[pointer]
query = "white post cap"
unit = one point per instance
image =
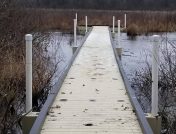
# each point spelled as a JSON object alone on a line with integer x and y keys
{"x": 28, "y": 37}
{"x": 156, "y": 38}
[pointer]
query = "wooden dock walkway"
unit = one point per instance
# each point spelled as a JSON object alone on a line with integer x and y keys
{"x": 93, "y": 98}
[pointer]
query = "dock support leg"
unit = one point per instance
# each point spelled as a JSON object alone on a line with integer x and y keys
{"x": 154, "y": 122}
{"x": 119, "y": 48}
{"x": 27, "y": 122}
{"x": 125, "y": 21}
{"x": 86, "y": 23}
{"x": 76, "y": 17}
{"x": 153, "y": 118}
{"x": 75, "y": 34}
{"x": 28, "y": 38}
{"x": 113, "y": 26}
{"x": 155, "y": 68}
{"x": 74, "y": 47}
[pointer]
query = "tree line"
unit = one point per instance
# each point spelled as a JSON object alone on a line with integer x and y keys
{"x": 103, "y": 4}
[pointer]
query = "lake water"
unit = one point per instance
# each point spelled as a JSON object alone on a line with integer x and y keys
{"x": 139, "y": 51}
{"x": 135, "y": 52}
{"x": 60, "y": 51}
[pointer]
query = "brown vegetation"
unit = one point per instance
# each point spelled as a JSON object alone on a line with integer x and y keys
{"x": 144, "y": 21}
{"x": 15, "y": 23}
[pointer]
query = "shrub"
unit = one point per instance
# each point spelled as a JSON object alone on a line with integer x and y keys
{"x": 142, "y": 83}
{"x": 132, "y": 30}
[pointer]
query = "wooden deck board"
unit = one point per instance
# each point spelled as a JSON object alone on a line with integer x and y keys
{"x": 93, "y": 97}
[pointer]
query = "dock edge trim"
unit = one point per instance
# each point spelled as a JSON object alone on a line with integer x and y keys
{"x": 146, "y": 129}
{"x": 37, "y": 126}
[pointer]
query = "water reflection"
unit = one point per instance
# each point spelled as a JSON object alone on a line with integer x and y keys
{"x": 60, "y": 51}
{"x": 138, "y": 51}
{"x": 135, "y": 52}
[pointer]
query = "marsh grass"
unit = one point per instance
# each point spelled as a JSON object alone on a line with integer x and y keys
{"x": 144, "y": 21}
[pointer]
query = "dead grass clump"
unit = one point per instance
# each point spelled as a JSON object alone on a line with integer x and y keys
{"x": 132, "y": 30}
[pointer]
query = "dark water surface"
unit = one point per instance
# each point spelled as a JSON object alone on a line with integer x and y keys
{"x": 135, "y": 51}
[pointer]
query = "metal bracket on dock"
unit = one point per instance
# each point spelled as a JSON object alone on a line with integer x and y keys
{"x": 155, "y": 122}
{"x": 28, "y": 121}
{"x": 74, "y": 49}
{"x": 119, "y": 52}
